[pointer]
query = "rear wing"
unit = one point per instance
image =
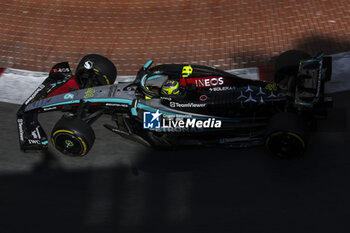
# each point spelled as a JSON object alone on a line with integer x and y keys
{"x": 31, "y": 134}
{"x": 311, "y": 78}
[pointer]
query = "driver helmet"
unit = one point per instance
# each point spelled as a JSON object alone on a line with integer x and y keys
{"x": 171, "y": 87}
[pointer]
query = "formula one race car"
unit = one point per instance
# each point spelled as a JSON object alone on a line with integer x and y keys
{"x": 178, "y": 105}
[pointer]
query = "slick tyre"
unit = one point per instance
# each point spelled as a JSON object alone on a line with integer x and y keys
{"x": 286, "y": 136}
{"x": 287, "y": 64}
{"x": 72, "y": 136}
{"x": 95, "y": 70}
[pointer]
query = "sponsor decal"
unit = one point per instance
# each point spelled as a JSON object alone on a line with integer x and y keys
{"x": 52, "y": 86}
{"x": 35, "y": 142}
{"x": 261, "y": 92}
{"x": 209, "y": 82}
{"x": 272, "y": 95}
{"x": 34, "y": 94}
{"x": 165, "y": 98}
{"x": 61, "y": 70}
{"x": 154, "y": 120}
{"x": 271, "y": 87}
{"x": 36, "y": 134}
{"x": 20, "y": 129}
{"x": 68, "y": 96}
{"x": 250, "y": 99}
{"x": 88, "y": 65}
{"x": 48, "y": 109}
{"x": 187, "y": 105}
{"x": 221, "y": 88}
{"x": 117, "y": 105}
{"x": 249, "y": 89}
{"x": 203, "y": 98}
{"x": 89, "y": 93}
{"x": 242, "y": 96}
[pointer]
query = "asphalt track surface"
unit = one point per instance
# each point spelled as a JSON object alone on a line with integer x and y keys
{"x": 121, "y": 186}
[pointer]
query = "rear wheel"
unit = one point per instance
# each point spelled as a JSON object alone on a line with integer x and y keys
{"x": 95, "y": 70}
{"x": 286, "y": 136}
{"x": 287, "y": 65}
{"x": 72, "y": 136}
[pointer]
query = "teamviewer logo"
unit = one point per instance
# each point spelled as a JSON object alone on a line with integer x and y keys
{"x": 151, "y": 120}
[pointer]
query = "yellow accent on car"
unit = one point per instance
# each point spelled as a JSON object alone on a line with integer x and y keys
{"x": 271, "y": 87}
{"x": 186, "y": 71}
{"x": 146, "y": 96}
{"x": 89, "y": 93}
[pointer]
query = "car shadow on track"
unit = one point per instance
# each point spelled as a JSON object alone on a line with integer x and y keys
{"x": 199, "y": 190}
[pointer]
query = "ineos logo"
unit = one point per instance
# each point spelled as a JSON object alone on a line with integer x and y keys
{"x": 210, "y": 82}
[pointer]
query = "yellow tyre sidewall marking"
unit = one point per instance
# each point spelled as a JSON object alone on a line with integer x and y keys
{"x": 106, "y": 79}
{"x": 281, "y": 132}
{"x": 69, "y": 132}
{"x": 298, "y": 137}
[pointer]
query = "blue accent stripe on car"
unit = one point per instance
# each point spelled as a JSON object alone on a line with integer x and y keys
{"x": 62, "y": 103}
{"x": 102, "y": 100}
{"x": 142, "y": 80}
{"x": 134, "y": 112}
{"x": 110, "y": 100}
{"x": 151, "y": 109}
{"x": 148, "y": 63}
{"x": 155, "y": 77}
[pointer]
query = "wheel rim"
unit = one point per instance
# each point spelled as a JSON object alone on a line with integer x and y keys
{"x": 285, "y": 144}
{"x": 69, "y": 144}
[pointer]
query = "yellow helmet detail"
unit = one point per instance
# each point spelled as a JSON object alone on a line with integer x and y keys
{"x": 171, "y": 87}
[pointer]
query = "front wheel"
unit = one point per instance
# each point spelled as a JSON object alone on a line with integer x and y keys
{"x": 72, "y": 136}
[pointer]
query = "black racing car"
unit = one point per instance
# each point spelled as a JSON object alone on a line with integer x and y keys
{"x": 210, "y": 108}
